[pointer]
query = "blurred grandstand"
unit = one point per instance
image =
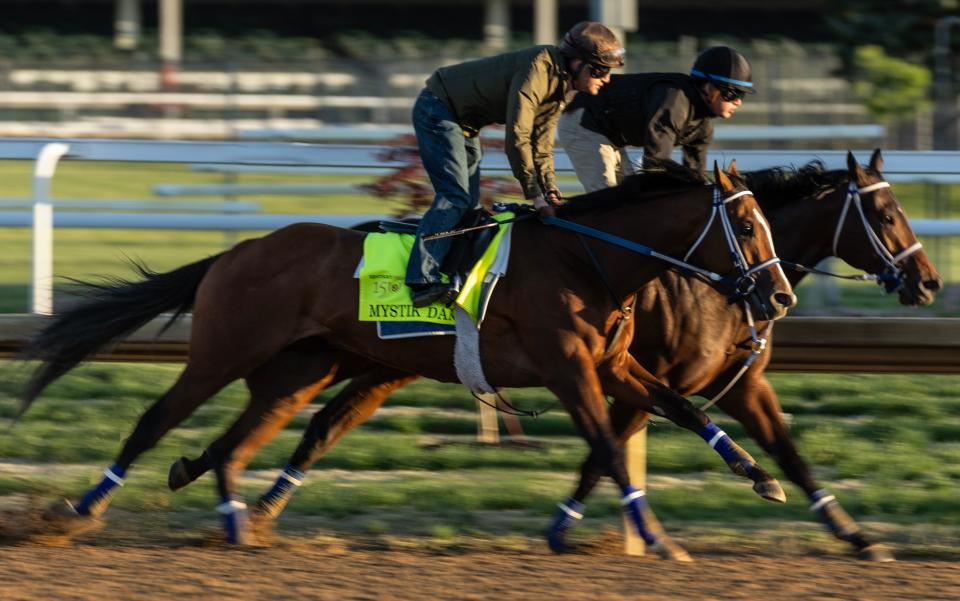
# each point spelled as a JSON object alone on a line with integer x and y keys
{"x": 92, "y": 68}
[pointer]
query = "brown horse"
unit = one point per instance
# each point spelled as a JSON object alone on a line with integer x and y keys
{"x": 271, "y": 306}
{"x": 809, "y": 222}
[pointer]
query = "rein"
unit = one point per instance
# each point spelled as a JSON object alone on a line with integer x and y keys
{"x": 742, "y": 285}
{"x": 892, "y": 277}
{"x": 758, "y": 344}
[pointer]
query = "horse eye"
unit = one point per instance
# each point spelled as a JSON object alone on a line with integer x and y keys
{"x": 746, "y": 229}
{"x": 887, "y": 219}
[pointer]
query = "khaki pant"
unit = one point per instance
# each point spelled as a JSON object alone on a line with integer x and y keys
{"x": 598, "y": 163}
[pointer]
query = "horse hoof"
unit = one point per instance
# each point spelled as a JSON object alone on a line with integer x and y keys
{"x": 178, "y": 477}
{"x": 877, "y": 553}
{"x": 770, "y": 490}
{"x": 260, "y": 524}
{"x": 557, "y": 542}
{"x": 62, "y": 519}
{"x": 667, "y": 549}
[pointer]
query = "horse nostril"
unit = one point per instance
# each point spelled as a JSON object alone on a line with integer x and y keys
{"x": 933, "y": 285}
{"x": 783, "y": 299}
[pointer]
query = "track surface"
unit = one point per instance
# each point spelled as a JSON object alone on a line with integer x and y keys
{"x": 29, "y": 571}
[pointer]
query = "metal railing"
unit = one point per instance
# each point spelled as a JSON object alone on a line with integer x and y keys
{"x": 940, "y": 167}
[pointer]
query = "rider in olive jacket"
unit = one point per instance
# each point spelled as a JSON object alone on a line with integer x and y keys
{"x": 525, "y": 90}
{"x": 522, "y": 89}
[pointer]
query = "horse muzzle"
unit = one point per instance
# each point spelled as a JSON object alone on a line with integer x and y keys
{"x": 765, "y": 307}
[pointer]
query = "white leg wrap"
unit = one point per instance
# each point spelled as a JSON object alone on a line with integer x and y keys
{"x": 716, "y": 438}
{"x": 632, "y": 496}
{"x": 574, "y": 514}
{"x": 231, "y": 507}
{"x": 109, "y": 474}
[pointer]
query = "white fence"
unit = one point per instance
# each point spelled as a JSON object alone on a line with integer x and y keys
{"x": 935, "y": 167}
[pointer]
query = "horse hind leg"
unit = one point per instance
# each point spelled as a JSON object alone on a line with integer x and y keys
{"x": 275, "y": 383}
{"x": 352, "y": 406}
{"x": 192, "y": 388}
{"x": 278, "y": 390}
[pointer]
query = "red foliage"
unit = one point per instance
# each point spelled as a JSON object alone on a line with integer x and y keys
{"x": 408, "y": 182}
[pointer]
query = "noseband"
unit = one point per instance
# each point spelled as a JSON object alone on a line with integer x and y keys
{"x": 892, "y": 277}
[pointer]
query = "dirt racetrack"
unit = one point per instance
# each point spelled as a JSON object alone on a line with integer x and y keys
{"x": 335, "y": 571}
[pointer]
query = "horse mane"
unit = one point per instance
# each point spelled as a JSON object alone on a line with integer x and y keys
{"x": 778, "y": 186}
{"x": 658, "y": 178}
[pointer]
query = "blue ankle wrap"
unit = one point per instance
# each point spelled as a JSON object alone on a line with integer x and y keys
{"x": 820, "y": 499}
{"x": 634, "y": 501}
{"x": 720, "y": 442}
{"x": 287, "y": 482}
{"x": 96, "y": 497}
{"x": 232, "y": 510}
{"x": 568, "y": 514}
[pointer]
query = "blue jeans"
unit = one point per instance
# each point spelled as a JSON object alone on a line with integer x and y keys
{"x": 452, "y": 161}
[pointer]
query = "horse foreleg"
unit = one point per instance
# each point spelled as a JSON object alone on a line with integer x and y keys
{"x": 754, "y": 404}
{"x": 685, "y": 414}
{"x": 352, "y": 406}
{"x": 626, "y": 421}
{"x": 583, "y": 398}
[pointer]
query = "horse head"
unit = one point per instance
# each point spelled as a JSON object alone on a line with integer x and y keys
{"x": 888, "y": 246}
{"x": 759, "y": 280}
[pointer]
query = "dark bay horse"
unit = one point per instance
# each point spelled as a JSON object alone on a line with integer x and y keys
{"x": 812, "y": 216}
{"x": 269, "y": 307}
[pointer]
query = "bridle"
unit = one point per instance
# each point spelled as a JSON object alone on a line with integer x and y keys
{"x": 746, "y": 282}
{"x": 892, "y": 277}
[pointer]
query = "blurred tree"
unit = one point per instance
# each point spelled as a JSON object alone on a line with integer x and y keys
{"x": 890, "y": 88}
{"x": 904, "y": 28}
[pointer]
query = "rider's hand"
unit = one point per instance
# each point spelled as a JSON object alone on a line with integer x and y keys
{"x": 545, "y": 211}
{"x": 544, "y": 207}
{"x": 554, "y": 197}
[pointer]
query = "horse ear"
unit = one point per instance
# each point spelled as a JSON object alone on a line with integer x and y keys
{"x": 721, "y": 178}
{"x": 857, "y": 173}
{"x": 876, "y": 161}
{"x": 732, "y": 168}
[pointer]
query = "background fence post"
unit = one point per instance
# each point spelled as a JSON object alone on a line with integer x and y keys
{"x": 636, "y": 457}
{"x": 41, "y": 291}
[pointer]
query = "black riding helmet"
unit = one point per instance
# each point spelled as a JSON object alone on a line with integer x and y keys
{"x": 725, "y": 68}
{"x": 594, "y": 44}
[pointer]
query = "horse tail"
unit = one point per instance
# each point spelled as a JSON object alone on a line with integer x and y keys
{"x": 110, "y": 311}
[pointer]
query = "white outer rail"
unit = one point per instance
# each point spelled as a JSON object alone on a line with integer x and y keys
{"x": 918, "y": 166}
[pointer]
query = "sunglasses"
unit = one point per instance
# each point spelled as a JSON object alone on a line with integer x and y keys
{"x": 731, "y": 94}
{"x": 598, "y": 71}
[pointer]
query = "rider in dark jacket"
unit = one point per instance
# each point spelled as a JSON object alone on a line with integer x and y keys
{"x": 653, "y": 111}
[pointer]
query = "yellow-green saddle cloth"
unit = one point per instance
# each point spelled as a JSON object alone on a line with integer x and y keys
{"x": 385, "y": 298}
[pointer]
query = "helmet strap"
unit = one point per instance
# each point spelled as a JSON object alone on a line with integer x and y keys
{"x": 575, "y": 72}
{"x": 701, "y": 87}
